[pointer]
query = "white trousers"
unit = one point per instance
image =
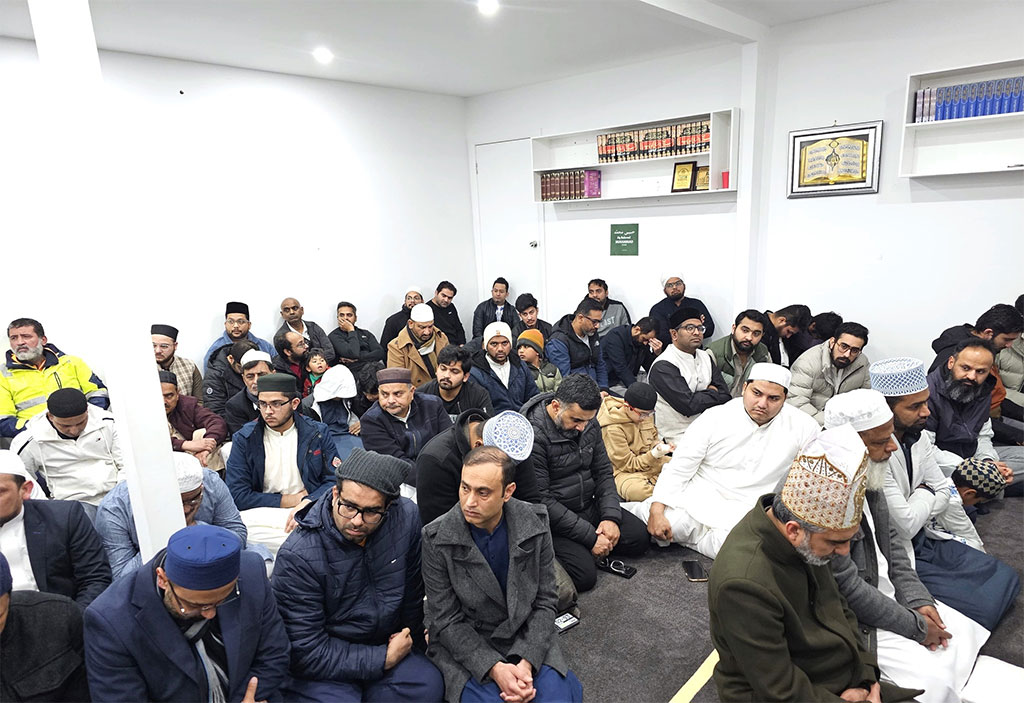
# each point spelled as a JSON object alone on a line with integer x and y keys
{"x": 266, "y": 526}
{"x": 942, "y": 673}
{"x": 685, "y": 529}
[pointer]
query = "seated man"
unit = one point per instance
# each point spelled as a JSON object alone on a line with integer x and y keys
{"x": 198, "y": 622}
{"x": 906, "y": 625}
{"x": 675, "y": 299}
{"x": 736, "y": 354}
{"x": 627, "y": 348}
{"x": 292, "y": 358}
{"x": 504, "y": 376}
{"x": 728, "y": 457}
{"x": 575, "y": 481}
{"x": 348, "y": 585}
{"x": 278, "y": 462}
{"x": 72, "y": 449}
{"x": 224, "y": 375}
{"x": 488, "y": 573}
{"x": 416, "y": 347}
{"x": 243, "y": 406}
{"x": 51, "y": 545}
{"x": 236, "y": 328}
{"x": 446, "y": 316}
{"x": 1000, "y": 326}
{"x": 453, "y": 385}
{"x": 33, "y": 369}
{"x": 833, "y": 367}
{"x": 439, "y": 464}
{"x": 494, "y": 309}
{"x": 526, "y": 307}
{"x": 292, "y": 312}
{"x": 574, "y": 346}
{"x": 354, "y": 346}
{"x": 631, "y": 440}
{"x": 785, "y": 324}
{"x": 400, "y": 320}
{"x": 41, "y": 639}
{"x": 530, "y": 348}
{"x": 978, "y": 481}
{"x": 165, "y": 347}
{"x": 194, "y": 429}
{"x": 402, "y": 421}
{"x": 782, "y": 629}
{"x": 614, "y": 312}
{"x": 205, "y": 499}
{"x": 685, "y": 376}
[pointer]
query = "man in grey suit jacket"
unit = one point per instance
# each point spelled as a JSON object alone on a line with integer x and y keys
{"x": 489, "y": 579}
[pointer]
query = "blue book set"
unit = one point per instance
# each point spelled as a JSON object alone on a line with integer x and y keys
{"x": 954, "y": 102}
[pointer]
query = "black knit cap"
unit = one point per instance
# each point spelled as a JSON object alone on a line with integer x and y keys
{"x": 641, "y": 396}
{"x": 67, "y": 402}
{"x": 168, "y": 377}
{"x": 165, "y": 330}
{"x": 276, "y": 382}
{"x": 378, "y": 471}
{"x": 236, "y": 309}
{"x": 682, "y": 315}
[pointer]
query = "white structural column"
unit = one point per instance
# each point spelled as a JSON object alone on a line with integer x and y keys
{"x": 713, "y": 19}
{"x": 73, "y": 85}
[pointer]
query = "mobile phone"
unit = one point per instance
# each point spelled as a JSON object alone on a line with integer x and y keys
{"x": 566, "y": 621}
{"x": 695, "y": 571}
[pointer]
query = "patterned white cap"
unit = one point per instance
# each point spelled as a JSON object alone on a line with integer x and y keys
{"x": 189, "y": 472}
{"x": 825, "y": 485}
{"x": 511, "y": 433}
{"x": 421, "y": 312}
{"x": 863, "y": 408}
{"x": 899, "y": 376}
{"x": 497, "y": 329}
{"x": 773, "y": 373}
{"x": 255, "y": 355}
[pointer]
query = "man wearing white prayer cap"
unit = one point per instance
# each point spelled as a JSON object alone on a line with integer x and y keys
{"x": 499, "y": 371}
{"x": 919, "y": 641}
{"x": 730, "y": 455}
{"x": 416, "y": 347}
{"x": 397, "y": 322}
{"x": 781, "y": 628}
{"x": 675, "y": 299}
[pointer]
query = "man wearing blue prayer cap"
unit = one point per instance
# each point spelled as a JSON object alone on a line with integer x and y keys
{"x": 198, "y": 622}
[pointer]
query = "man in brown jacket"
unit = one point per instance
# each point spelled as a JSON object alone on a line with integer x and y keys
{"x": 193, "y": 428}
{"x": 631, "y": 439}
{"x": 416, "y": 347}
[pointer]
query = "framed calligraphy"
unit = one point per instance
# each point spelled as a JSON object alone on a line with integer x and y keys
{"x": 836, "y": 160}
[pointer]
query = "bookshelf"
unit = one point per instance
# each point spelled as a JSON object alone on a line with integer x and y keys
{"x": 644, "y": 181}
{"x": 985, "y": 144}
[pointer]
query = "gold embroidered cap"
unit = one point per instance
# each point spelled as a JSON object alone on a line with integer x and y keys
{"x": 825, "y": 485}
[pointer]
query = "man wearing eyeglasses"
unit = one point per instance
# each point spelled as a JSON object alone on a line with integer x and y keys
{"x": 292, "y": 353}
{"x": 574, "y": 346}
{"x": 236, "y": 327}
{"x": 278, "y": 462}
{"x": 675, "y": 299}
{"x": 348, "y": 585}
{"x": 198, "y": 622}
{"x": 685, "y": 376}
{"x": 835, "y": 366}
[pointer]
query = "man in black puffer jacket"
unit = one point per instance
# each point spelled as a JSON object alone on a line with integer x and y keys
{"x": 575, "y": 481}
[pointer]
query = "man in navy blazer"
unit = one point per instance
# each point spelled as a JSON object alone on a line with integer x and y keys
{"x": 51, "y": 544}
{"x": 198, "y": 622}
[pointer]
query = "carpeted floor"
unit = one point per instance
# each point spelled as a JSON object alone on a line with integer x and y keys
{"x": 641, "y": 639}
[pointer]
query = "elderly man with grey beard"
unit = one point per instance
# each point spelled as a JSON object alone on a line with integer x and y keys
{"x": 919, "y": 641}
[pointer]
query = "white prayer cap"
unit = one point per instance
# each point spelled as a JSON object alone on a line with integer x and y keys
{"x": 666, "y": 276}
{"x": 826, "y": 483}
{"x": 497, "y": 329}
{"x": 511, "y": 433}
{"x": 11, "y": 464}
{"x": 863, "y": 408}
{"x": 256, "y": 355}
{"x": 413, "y": 289}
{"x": 189, "y": 472}
{"x": 899, "y": 376}
{"x": 421, "y": 312}
{"x": 774, "y": 373}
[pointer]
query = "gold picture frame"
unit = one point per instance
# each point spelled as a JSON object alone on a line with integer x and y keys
{"x": 684, "y": 176}
{"x": 703, "y": 178}
{"x": 836, "y": 160}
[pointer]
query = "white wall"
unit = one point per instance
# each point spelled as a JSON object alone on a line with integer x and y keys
{"x": 250, "y": 186}
{"x": 923, "y": 254}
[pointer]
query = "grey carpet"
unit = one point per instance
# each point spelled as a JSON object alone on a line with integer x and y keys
{"x": 641, "y": 639}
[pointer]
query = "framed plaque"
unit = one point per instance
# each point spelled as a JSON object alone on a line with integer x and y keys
{"x": 684, "y": 176}
{"x": 703, "y": 178}
{"x": 836, "y": 160}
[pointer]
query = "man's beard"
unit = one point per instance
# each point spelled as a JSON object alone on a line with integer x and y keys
{"x": 809, "y": 557}
{"x": 841, "y": 363}
{"x": 744, "y": 347}
{"x": 911, "y": 429}
{"x": 963, "y": 391}
{"x": 877, "y": 472}
{"x": 678, "y": 295}
{"x": 30, "y": 355}
{"x": 568, "y": 434}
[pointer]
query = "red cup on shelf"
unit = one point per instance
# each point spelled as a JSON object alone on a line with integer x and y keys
{"x": 725, "y": 180}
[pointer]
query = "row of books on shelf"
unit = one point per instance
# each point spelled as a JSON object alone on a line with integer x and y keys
{"x": 575, "y": 184}
{"x": 654, "y": 142}
{"x": 953, "y": 102}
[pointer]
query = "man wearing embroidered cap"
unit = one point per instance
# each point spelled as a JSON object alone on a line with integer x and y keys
{"x": 236, "y": 328}
{"x": 397, "y": 322}
{"x": 500, "y": 371}
{"x": 197, "y": 622}
{"x": 416, "y": 346}
{"x": 165, "y": 347}
{"x": 782, "y": 630}
{"x": 349, "y": 589}
{"x": 729, "y": 456}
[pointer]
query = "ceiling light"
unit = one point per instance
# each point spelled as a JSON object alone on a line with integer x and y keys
{"x": 323, "y": 54}
{"x": 487, "y": 7}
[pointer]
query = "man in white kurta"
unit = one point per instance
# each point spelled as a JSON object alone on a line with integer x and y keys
{"x": 730, "y": 455}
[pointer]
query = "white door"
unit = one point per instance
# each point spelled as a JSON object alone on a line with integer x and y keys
{"x": 510, "y": 232}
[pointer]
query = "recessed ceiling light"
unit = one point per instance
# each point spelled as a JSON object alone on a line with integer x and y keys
{"x": 323, "y": 54}
{"x": 487, "y": 7}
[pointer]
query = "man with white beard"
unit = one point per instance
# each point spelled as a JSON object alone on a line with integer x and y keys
{"x": 919, "y": 642}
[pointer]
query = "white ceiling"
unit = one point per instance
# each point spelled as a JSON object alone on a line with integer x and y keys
{"x": 437, "y": 46}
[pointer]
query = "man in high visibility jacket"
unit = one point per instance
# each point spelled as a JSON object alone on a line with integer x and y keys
{"x": 32, "y": 370}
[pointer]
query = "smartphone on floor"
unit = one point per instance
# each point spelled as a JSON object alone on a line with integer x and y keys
{"x": 694, "y": 570}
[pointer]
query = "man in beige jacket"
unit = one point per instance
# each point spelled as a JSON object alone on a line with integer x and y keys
{"x": 631, "y": 439}
{"x": 416, "y": 347}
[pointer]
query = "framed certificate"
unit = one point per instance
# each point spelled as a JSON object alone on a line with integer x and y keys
{"x": 684, "y": 176}
{"x": 837, "y": 160}
{"x": 703, "y": 178}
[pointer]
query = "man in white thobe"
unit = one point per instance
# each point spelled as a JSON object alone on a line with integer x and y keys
{"x": 730, "y": 455}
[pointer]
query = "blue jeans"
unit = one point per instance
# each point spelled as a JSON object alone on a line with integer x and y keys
{"x": 551, "y": 687}
{"x": 414, "y": 679}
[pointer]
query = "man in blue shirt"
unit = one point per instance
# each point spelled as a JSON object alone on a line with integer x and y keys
{"x": 236, "y": 327}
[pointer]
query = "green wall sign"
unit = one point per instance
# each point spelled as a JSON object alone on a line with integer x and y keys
{"x": 626, "y": 240}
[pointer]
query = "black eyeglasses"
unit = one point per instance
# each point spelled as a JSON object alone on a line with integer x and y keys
{"x": 185, "y": 606}
{"x": 371, "y": 516}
